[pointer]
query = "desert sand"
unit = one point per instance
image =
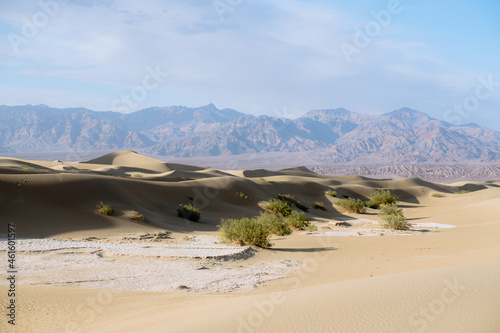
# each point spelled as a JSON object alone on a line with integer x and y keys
{"x": 79, "y": 271}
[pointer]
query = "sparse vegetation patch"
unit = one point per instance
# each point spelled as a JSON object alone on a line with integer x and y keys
{"x": 298, "y": 220}
{"x": 189, "y": 211}
{"x": 276, "y": 225}
{"x": 242, "y": 195}
{"x": 319, "y": 205}
{"x": 383, "y": 197}
{"x": 437, "y": 195}
{"x": 352, "y": 205}
{"x": 280, "y": 208}
{"x": 463, "y": 192}
{"x": 291, "y": 199}
{"x": 391, "y": 216}
{"x": 105, "y": 209}
{"x": 245, "y": 231}
{"x": 331, "y": 193}
{"x": 372, "y": 204}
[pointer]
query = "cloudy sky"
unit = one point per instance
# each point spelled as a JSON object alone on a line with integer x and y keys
{"x": 275, "y": 57}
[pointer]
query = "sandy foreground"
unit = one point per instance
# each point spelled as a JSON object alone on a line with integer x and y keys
{"x": 79, "y": 271}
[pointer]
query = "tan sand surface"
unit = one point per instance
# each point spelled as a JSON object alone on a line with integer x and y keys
{"x": 441, "y": 280}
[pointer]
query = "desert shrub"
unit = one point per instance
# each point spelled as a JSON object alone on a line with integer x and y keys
{"x": 383, "y": 197}
{"x": 331, "y": 193}
{"x": 437, "y": 195}
{"x": 291, "y": 199}
{"x": 105, "y": 209}
{"x": 298, "y": 220}
{"x": 281, "y": 208}
{"x": 189, "y": 211}
{"x": 372, "y": 204}
{"x": 262, "y": 179}
{"x": 242, "y": 195}
{"x": 312, "y": 227}
{"x": 274, "y": 224}
{"x": 319, "y": 205}
{"x": 463, "y": 192}
{"x": 391, "y": 216}
{"x": 136, "y": 216}
{"x": 137, "y": 175}
{"x": 352, "y": 205}
{"x": 25, "y": 166}
{"x": 245, "y": 231}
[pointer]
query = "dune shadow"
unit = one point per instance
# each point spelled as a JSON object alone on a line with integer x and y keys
{"x": 418, "y": 218}
{"x": 305, "y": 250}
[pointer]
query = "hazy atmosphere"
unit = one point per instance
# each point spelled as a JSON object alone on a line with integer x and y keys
{"x": 280, "y": 58}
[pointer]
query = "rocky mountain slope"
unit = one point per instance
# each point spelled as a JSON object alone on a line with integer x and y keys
{"x": 335, "y": 136}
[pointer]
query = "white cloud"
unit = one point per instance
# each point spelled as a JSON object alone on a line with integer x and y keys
{"x": 264, "y": 55}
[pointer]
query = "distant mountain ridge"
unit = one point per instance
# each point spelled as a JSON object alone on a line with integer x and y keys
{"x": 333, "y": 136}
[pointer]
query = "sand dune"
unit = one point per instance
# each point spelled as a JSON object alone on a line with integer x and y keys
{"x": 335, "y": 281}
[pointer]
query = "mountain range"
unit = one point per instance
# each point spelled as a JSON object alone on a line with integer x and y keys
{"x": 332, "y": 136}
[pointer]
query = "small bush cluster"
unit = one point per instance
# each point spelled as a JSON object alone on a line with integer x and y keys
{"x": 25, "y": 166}
{"x": 189, "y": 211}
{"x": 352, "y": 205}
{"x": 319, "y": 205}
{"x": 105, "y": 209}
{"x": 331, "y": 193}
{"x": 281, "y": 208}
{"x": 298, "y": 221}
{"x": 245, "y": 231}
{"x": 256, "y": 231}
{"x": 463, "y": 192}
{"x": 137, "y": 175}
{"x": 275, "y": 224}
{"x": 291, "y": 199}
{"x": 383, "y": 197}
{"x": 437, "y": 195}
{"x": 372, "y": 204}
{"x": 242, "y": 195}
{"x": 391, "y": 216}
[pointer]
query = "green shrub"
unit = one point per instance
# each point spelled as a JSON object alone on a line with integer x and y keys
{"x": 312, "y": 227}
{"x": 281, "y": 208}
{"x": 391, "y": 216}
{"x": 189, "y": 211}
{"x": 319, "y": 205}
{"x": 275, "y": 225}
{"x": 383, "y": 197}
{"x": 298, "y": 221}
{"x": 242, "y": 195}
{"x": 437, "y": 195}
{"x": 372, "y": 204}
{"x": 352, "y": 205}
{"x": 291, "y": 199}
{"x": 137, "y": 175}
{"x": 25, "y": 166}
{"x": 331, "y": 193}
{"x": 246, "y": 231}
{"x": 463, "y": 192}
{"x": 105, "y": 209}
{"x": 262, "y": 179}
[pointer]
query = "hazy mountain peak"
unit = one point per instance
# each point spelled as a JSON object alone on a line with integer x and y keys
{"x": 336, "y": 135}
{"x": 407, "y": 113}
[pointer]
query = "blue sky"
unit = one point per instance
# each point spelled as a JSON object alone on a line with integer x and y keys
{"x": 281, "y": 58}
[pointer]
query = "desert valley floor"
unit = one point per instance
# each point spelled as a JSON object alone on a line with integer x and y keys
{"x": 80, "y": 271}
